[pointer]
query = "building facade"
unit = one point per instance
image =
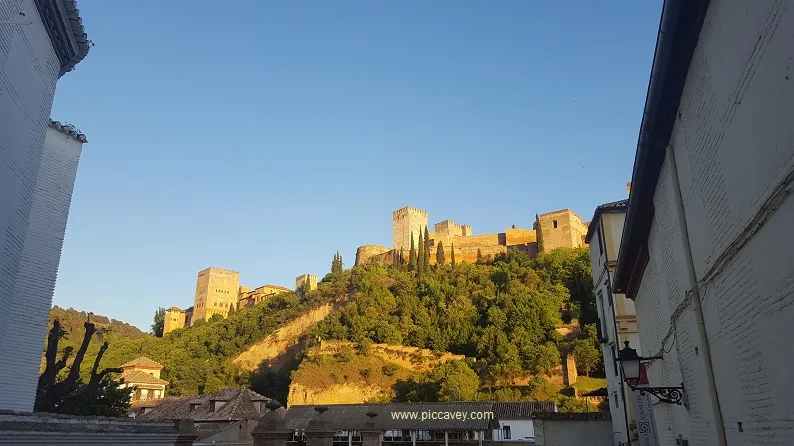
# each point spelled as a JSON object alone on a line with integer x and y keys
{"x": 707, "y": 253}
{"x": 216, "y": 292}
{"x": 617, "y": 319}
{"x": 40, "y": 40}
{"x": 143, "y": 376}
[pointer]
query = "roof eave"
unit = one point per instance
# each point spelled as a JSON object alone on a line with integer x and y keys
{"x": 65, "y": 29}
{"x": 679, "y": 31}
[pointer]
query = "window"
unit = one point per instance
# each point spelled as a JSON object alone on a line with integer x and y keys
{"x": 506, "y": 432}
{"x": 617, "y": 401}
{"x": 555, "y": 223}
{"x": 600, "y": 241}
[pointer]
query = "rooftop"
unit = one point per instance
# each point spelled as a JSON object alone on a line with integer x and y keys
{"x": 69, "y": 129}
{"x": 240, "y": 405}
{"x": 615, "y": 206}
{"x": 143, "y": 361}
{"x": 141, "y": 377}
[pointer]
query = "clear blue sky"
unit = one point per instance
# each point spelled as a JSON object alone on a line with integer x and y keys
{"x": 263, "y": 136}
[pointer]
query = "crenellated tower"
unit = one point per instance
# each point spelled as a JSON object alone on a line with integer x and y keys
{"x": 406, "y": 221}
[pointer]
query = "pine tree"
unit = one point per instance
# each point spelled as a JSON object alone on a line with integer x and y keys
{"x": 452, "y": 256}
{"x": 412, "y": 255}
{"x": 440, "y": 260}
{"x": 420, "y": 256}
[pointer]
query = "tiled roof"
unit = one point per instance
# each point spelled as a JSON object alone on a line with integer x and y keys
{"x": 522, "y": 410}
{"x": 73, "y": 14}
{"x": 615, "y": 206}
{"x": 143, "y": 361}
{"x": 239, "y": 405}
{"x": 205, "y": 430}
{"x": 354, "y": 416}
{"x": 573, "y": 416}
{"x": 141, "y": 377}
{"x": 68, "y": 129}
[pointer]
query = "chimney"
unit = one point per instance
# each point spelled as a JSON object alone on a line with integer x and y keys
{"x": 628, "y": 188}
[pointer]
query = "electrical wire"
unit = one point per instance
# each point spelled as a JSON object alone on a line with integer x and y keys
{"x": 770, "y": 205}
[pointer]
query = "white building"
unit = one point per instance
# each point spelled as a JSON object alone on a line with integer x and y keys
{"x": 516, "y": 420}
{"x": 707, "y": 252}
{"x": 617, "y": 320}
{"x": 40, "y": 40}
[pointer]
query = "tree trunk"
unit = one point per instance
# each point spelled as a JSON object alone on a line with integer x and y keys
{"x": 74, "y": 372}
{"x": 96, "y": 378}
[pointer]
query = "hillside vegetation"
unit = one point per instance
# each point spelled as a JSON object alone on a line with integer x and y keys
{"x": 501, "y": 315}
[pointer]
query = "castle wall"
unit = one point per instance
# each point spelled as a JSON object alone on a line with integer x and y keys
{"x": 302, "y": 279}
{"x": 520, "y": 236}
{"x": 216, "y": 291}
{"x": 561, "y": 229}
{"x": 174, "y": 319}
{"x": 475, "y": 241}
{"x": 407, "y": 221}
{"x": 366, "y": 253}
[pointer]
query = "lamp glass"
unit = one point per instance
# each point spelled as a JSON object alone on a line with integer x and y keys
{"x": 631, "y": 368}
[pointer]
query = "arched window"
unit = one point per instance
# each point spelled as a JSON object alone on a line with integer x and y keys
{"x": 555, "y": 223}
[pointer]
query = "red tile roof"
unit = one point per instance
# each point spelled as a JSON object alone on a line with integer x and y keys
{"x": 143, "y": 361}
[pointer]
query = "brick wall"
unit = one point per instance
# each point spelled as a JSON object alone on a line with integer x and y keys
{"x": 28, "y": 74}
{"x": 732, "y": 147}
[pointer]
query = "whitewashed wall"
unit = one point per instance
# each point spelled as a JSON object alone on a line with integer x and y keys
{"x": 520, "y": 430}
{"x": 29, "y": 70}
{"x": 733, "y": 144}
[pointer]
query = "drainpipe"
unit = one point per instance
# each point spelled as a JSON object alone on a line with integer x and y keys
{"x": 701, "y": 323}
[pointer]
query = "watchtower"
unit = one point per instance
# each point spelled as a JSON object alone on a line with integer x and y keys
{"x": 406, "y": 222}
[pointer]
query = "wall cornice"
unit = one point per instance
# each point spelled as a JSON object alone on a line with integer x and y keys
{"x": 64, "y": 26}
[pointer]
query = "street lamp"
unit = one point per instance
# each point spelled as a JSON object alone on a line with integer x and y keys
{"x": 630, "y": 366}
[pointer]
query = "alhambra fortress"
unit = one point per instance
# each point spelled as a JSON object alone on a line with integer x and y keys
{"x": 218, "y": 290}
{"x": 558, "y": 229}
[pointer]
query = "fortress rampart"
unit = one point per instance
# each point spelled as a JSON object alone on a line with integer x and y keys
{"x": 557, "y": 229}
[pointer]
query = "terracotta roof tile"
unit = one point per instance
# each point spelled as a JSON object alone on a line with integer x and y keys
{"x": 522, "y": 410}
{"x": 141, "y": 377}
{"x": 237, "y": 404}
{"x": 143, "y": 361}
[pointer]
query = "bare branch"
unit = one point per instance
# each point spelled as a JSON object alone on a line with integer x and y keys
{"x": 74, "y": 372}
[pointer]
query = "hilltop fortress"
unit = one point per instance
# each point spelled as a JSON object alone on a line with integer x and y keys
{"x": 218, "y": 291}
{"x": 552, "y": 230}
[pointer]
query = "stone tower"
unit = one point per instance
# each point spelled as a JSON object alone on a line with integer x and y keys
{"x": 216, "y": 292}
{"x": 407, "y": 221}
{"x": 560, "y": 229}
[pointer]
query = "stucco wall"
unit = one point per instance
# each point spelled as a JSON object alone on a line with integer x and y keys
{"x": 567, "y": 433}
{"x": 29, "y": 71}
{"x": 732, "y": 146}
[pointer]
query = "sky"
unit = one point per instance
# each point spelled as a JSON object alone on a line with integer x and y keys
{"x": 263, "y": 136}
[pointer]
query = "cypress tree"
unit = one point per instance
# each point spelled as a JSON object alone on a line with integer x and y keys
{"x": 452, "y": 256}
{"x": 412, "y": 255}
{"x": 479, "y": 256}
{"x": 428, "y": 245}
{"x": 440, "y": 260}
{"x": 420, "y": 256}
